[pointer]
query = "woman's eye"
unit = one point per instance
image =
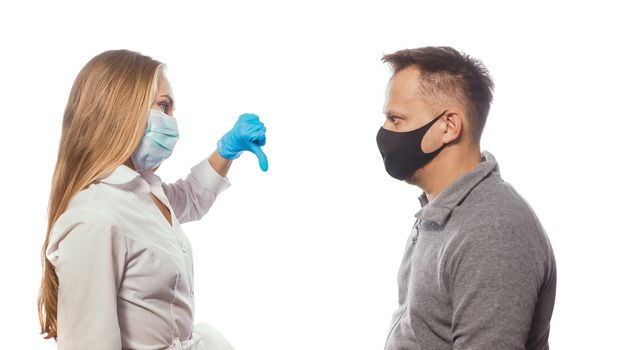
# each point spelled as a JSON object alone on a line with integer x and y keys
{"x": 163, "y": 106}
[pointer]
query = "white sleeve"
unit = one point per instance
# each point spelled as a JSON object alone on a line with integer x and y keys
{"x": 88, "y": 251}
{"x": 193, "y": 197}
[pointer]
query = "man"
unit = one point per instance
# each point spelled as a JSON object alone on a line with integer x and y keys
{"x": 478, "y": 271}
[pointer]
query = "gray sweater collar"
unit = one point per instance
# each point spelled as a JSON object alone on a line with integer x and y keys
{"x": 440, "y": 208}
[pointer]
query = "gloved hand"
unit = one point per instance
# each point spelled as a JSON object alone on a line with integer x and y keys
{"x": 248, "y": 134}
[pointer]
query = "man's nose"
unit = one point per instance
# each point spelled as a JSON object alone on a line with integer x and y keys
{"x": 388, "y": 125}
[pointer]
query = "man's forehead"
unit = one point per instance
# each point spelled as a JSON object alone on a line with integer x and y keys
{"x": 404, "y": 84}
{"x": 408, "y": 76}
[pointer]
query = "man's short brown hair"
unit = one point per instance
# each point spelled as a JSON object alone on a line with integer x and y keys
{"x": 449, "y": 74}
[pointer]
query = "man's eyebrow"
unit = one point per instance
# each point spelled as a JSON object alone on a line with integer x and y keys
{"x": 389, "y": 112}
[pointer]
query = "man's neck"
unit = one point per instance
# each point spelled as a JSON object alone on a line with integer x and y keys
{"x": 446, "y": 169}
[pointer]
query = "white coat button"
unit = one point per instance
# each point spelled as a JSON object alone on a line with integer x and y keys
{"x": 184, "y": 248}
{"x": 192, "y": 293}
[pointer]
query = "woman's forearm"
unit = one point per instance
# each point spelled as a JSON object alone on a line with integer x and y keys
{"x": 220, "y": 164}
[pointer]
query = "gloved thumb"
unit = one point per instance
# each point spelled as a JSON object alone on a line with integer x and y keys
{"x": 261, "y": 156}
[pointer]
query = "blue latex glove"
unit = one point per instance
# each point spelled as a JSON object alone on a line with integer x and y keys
{"x": 248, "y": 134}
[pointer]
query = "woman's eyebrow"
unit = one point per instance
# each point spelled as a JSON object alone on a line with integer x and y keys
{"x": 170, "y": 100}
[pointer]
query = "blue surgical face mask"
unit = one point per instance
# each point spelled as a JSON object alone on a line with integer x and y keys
{"x": 158, "y": 141}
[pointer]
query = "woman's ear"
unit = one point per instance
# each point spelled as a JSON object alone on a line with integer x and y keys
{"x": 129, "y": 163}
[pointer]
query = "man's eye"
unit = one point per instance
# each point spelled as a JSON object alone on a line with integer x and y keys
{"x": 394, "y": 119}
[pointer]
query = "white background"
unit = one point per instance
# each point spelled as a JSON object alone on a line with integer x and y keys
{"x": 305, "y": 256}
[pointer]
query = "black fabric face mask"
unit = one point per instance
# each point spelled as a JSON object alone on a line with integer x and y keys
{"x": 401, "y": 151}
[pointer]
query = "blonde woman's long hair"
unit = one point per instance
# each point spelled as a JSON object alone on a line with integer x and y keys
{"x": 103, "y": 123}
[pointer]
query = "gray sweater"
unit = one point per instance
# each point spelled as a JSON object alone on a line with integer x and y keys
{"x": 478, "y": 271}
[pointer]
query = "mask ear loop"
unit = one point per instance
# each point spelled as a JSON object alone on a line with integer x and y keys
{"x": 440, "y": 115}
{"x": 429, "y": 126}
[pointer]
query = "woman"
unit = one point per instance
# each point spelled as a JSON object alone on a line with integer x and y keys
{"x": 117, "y": 266}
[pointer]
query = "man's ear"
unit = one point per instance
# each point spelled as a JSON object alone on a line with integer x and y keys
{"x": 453, "y": 125}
